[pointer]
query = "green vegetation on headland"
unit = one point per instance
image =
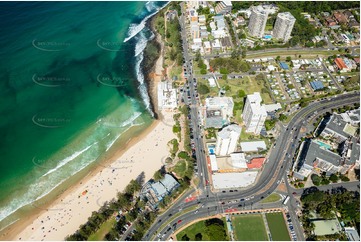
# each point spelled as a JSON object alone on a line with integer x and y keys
{"x": 212, "y": 230}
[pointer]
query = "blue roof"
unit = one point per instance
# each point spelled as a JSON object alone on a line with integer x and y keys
{"x": 317, "y": 85}
{"x": 284, "y": 65}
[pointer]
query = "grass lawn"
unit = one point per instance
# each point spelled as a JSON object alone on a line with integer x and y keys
{"x": 277, "y": 226}
{"x": 180, "y": 168}
{"x": 249, "y": 227}
{"x": 176, "y": 71}
{"x": 102, "y": 231}
{"x": 274, "y": 197}
{"x": 196, "y": 228}
{"x": 248, "y": 84}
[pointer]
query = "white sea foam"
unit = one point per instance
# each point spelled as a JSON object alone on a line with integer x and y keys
{"x": 142, "y": 85}
{"x": 134, "y": 29}
{"x": 129, "y": 121}
{"x": 68, "y": 159}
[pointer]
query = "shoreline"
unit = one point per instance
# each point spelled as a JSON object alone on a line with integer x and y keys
{"x": 27, "y": 228}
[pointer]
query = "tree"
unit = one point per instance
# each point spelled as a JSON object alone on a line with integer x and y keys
{"x": 344, "y": 178}
{"x": 185, "y": 238}
{"x": 316, "y": 180}
{"x": 198, "y": 237}
{"x": 333, "y": 178}
{"x": 282, "y": 117}
{"x": 241, "y": 93}
{"x": 203, "y": 89}
{"x": 288, "y": 58}
{"x": 157, "y": 175}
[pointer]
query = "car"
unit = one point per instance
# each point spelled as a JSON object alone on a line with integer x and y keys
{"x": 230, "y": 190}
{"x": 242, "y": 199}
{"x": 179, "y": 221}
{"x": 159, "y": 220}
{"x": 168, "y": 229}
{"x": 239, "y": 205}
{"x": 223, "y": 191}
{"x": 222, "y": 203}
{"x": 170, "y": 215}
{"x": 196, "y": 211}
{"x": 294, "y": 193}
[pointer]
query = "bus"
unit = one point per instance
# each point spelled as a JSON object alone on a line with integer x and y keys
{"x": 286, "y": 200}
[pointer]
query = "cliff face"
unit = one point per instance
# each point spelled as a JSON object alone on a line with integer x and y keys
{"x": 151, "y": 54}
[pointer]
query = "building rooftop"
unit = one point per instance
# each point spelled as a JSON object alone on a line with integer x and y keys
{"x": 233, "y": 180}
{"x": 355, "y": 151}
{"x": 284, "y": 65}
{"x": 256, "y": 163}
{"x": 213, "y": 161}
{"x": 352, "y": 234}
{"x": 238, "y": 160}
{"x": 219, "y": 102}
{"x": 272, "y": 107}
{"x": 337, "y": 125}
{"x": 253, "y": 146}
{"x": 169, "y": 182}
{"x": 317, "y": 85}
{"x": 255, "y": 100}
{"x": 227, "y": 3}
{"x": 226, "y": 132}
{"x": 286, "y": 15}
{"x": 340, "y": 63}
{"x": 315, "y": 151}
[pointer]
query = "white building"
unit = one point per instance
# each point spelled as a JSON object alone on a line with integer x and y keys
{"x": 257, "y": 22}
{"x": 224, "y": 7}
{"x": 283, "y": 26}
{"x": 207, "y": 47}
{"x": 167, "y": 96}
{"x": 216, "y": 45}
{"x": 218, "y": 34}
{"x": 225, "y": 104}
{"x": 253, "y": 146}
{"x": 227, "y": 140}
{"x": 201, "y": 19}
{"x": 254, "y": 115}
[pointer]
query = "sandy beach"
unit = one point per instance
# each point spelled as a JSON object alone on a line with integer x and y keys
{"x": 68, "y": 212}
{"x": 71, "y": 209}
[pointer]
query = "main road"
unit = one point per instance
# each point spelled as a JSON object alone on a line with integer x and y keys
{"x": 279, "y": 161}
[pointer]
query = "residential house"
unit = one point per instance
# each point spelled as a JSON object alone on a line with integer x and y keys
{"x": 340, "y": 17}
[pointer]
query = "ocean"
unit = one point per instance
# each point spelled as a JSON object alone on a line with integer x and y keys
{"x": 71, "y": 86}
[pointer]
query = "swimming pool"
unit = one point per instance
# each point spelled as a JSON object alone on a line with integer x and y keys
{"x": 267, "y": 37}
{"x": 211, "y": 149}
{"x": 327, "y": 146}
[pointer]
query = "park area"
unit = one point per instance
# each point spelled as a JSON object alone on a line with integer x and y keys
{"x": 277, "y": 227}
{"x": 205, "y": 230}
{"x": 249, "y": 227}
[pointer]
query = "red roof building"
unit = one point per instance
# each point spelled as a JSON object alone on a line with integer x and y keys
{"x": 340, "y": 64}
{"x": 256, "y": 163}
{"x": 340, "y": 17}
{"x": 357, "y": 60}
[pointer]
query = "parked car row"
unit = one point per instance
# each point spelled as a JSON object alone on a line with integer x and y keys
{"x": 291, "y": 228}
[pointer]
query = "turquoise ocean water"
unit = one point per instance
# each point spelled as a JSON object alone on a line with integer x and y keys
{"x": 70, "y": 84}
